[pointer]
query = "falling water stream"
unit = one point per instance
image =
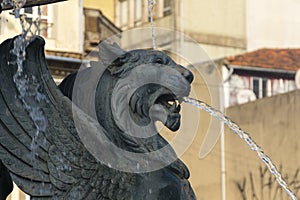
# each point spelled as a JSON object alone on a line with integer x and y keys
{"x": 246, "y": 137}
{"x": 28, "y": 87}
{"x": 22, "y": 83}
{"x": 150, "y": 9}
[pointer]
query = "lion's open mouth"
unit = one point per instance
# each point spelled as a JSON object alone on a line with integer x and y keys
{"x": 150, "y": 93}
{"x": 171, "y": 105}
{"x": 170, "y": 102}
{"x": 154, "y": 102}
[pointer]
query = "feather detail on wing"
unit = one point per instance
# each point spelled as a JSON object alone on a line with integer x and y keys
{"x": 61, "y": 166}
{"x": 52, "y": 162}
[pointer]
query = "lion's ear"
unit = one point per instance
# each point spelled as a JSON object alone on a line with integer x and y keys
{"x": 109, "y": 52}
{"x": 118, "y": 66}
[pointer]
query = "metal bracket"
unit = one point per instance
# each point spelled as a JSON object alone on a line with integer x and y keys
{"x": 31, "y": 3}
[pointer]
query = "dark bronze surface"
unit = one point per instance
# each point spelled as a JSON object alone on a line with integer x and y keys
{"x": 63, "y": 168}
{"x": 30, "y": 3}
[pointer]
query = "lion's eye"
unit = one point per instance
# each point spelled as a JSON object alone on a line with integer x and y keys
{"x": 168, "y": 61}
{"x": 159, "y": 61}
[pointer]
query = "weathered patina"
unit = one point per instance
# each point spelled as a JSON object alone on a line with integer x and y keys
{"x": 63, "y": 168}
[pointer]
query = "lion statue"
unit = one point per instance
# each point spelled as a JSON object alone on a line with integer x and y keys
{"x": 58, "y": 161}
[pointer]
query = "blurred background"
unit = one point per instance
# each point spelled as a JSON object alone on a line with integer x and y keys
{"x": 253, "y": 44}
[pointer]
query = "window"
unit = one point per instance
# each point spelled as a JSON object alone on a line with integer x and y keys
{"x": 261, "y": 87}
{"x": 265, "y": 90}
{"x": 167, "y": 7}
{"x": 123, "y": 13}
{"x": 256, "y": 88}
{"x": 138, "y": 6}
{"x": 32, "y": 14}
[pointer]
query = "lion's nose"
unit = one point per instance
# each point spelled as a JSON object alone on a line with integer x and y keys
{"x": 186, "y": 73}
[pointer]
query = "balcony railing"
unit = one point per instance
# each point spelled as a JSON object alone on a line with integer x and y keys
{"x": 97, "y": 27}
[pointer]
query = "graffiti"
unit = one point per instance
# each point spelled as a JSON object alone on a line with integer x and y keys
{"x": 262, "y": 185}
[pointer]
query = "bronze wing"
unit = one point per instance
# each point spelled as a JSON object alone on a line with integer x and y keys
{"x": 51, "y": 163}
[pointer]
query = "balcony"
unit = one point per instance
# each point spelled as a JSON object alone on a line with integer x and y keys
{"x": 97, "y": 28}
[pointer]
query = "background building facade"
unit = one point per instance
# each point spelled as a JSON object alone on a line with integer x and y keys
{"x": 222, "y": 28}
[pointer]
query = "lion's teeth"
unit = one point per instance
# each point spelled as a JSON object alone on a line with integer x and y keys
{"x": 173, "y": 108}
{"x": 178, "y": 108}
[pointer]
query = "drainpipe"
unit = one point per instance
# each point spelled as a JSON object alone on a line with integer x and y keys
{"x": 223, "y": 169}
{"x": 81, "y": 29}
{"x": 181, "y": 30}
{"x": 226, "y": 74}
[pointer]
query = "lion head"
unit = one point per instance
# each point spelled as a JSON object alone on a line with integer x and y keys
{"x": 136, "y": 89}
{"x": 145, "y": 86}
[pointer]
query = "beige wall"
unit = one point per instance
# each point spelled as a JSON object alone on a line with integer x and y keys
{"x": 67, "y": 27}
{"x": 9, "y": 26}
{"x": 220, "y": 26}
{"x": 217, "y": 52}
{"x": 273, "y": 23}
{"x": 106, "y": 6}
{"x": 274, "y": 124}
{"x": 224, "y": 18}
